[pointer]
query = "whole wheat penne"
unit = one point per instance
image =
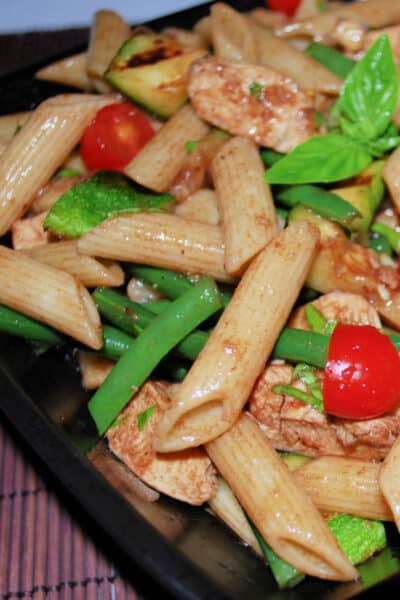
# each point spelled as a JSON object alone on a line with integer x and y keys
{"x": 3, "y": 146}
{"x": 225, "y": 505}
{"x": 48, "y": 195}
{"x": 10, "y": 124}
{"x": 109, "y": 31}
{"x": 231, "y": 34}
{"x": 67, "y": 71}
{"x": 49, "y": 295}
{"x": 267, "y": 18}
{"x": 284, "y": 515}
{"x": 389, "y": 480}
{"x": 94, "y": 369}
{"x": 201, "y": 206}
{"x": 281, "y": 56}
{"x": 160, "y": 160}
{"x": 40, "y": 147}
{"x": 203, "y": 28}
{"x": 308, "y": 9}
{"x": 391, "y": 176}
{"x": 344, "y": 485}
{"x": 186, "y": 37}
{"x": 245, "y": 202}
{"x": 89, "y": 271}
{"x": 218, "y": 384}
{"x": 373, "y": 13}
{"x": 160, "y": 240}
{"x": 343, "y": 265}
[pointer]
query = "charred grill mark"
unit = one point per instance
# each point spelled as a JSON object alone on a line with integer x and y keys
{"x": 153, "y": 55}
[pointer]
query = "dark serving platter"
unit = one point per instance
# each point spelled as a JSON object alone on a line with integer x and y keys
{"x": 173, "y": 549}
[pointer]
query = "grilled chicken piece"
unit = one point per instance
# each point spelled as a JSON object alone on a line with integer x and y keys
{"x": 187, "y": 475}
{"x": 342, "y": 307}
{"x": 29, "y": 232}
{"x": 292, "y": 425}
{"x": 252, "y": 101}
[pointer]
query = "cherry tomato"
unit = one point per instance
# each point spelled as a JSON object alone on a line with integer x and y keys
{"x": 288, "y": 7}
{"x": 362, "y": 373}
{"x": 115, "y": 136}
{"x": 398, "y": 265}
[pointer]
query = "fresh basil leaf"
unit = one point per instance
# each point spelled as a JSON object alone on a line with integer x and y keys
{"x": 322, "y": 158}
{"x": 369, "y": 94}
{"x": 104, "y": 195}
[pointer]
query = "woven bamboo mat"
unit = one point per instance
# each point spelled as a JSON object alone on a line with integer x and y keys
{"x": 44, "y": 554}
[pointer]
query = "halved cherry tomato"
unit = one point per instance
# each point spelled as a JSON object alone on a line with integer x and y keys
{"x": 362, "y": 373}
{"x": 288, "y": 7}
{"x": 115, "y": 136}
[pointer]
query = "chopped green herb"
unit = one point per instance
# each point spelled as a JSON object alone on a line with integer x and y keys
{"x": 317, "y": 321}
{"x": 144, "y": 416}
{"x": 319, "y": 118}
{"x": 255, "y": 89}
{"x": 322, "y": 5}
{"x": 190, "y": 146}
{"x": 63, "y": 173}
{"x": 118, "y": 421}
{"x": 310, "y": 399}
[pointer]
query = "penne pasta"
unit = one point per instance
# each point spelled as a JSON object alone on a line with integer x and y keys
{"x": 11, "y": 124}
{"x": 231, "y": 35}
{"x": 160, "y": 240}
{"x": 281, "y": 56}
{"x": 373, "y": 13}
{"x": 68, "y": 71}
{"x": 186, "y": 37}
{"x": 49, "y": 295}
{"x": 201, "y": 207}
{"x": 217, "y": 386}
{"x": 389, "y": 480}
{"x": 344, "y": 485}
{"x": 89, "y": 271}
{"x": 284, "y": 515}
{"x": 159, "y": 162}
{"x": 48, "y": 195}
{"x": 391, "y": 176}
{"x": 109, "y": 31}
{"x": 39, "y": 149}
{"x": 94, "y": 369}
{"x": 245, "y": 203}
{"x": 226, "y": 507}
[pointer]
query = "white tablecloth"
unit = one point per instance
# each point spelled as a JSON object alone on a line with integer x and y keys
{"x": 30, "y": 15}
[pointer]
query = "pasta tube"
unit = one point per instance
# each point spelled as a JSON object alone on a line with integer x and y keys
{"x": 40, "y": 147}
{"x": 68, "y": 71}
{"x": 159, "y": 161}
{"x": 217, "y": 386}
{"x": 245, "y": 201}
{"x": 89, "y": 271}
{"x": 389, "y": 480}
{"x": 108, "y": 33}
{"x": 49, "y": 295}
{"x": 160, "y": 240}
{"x": 94, "y": 369}
{"x": 391, "y": 176}
{"x": 10, "y": 124}
{"x": 201, "y": 206}
{"x": 231, "y": 35}
{"x": 283, "y": 514}
{"x": 344, "y": 485}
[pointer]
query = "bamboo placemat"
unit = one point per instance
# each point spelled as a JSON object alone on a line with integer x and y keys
{"x": 44, "y": 554}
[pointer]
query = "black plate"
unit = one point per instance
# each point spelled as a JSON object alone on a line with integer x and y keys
{"x": 183, "y": 549}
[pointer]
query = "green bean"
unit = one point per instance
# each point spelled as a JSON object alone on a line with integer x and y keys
{"x": 327, "y": 204}
{"x": 133, "y": 318}
{"x": 392, "y": 236}
{"x": 20, "y": 325}
{"x": 285, "y": 575}
{"x": 298, "y": 345}
{"x": 380, "y": 244}
{"x": 169, "y": 283}
{"x": 331, "y": 59}
{"x": 156, "y": 341}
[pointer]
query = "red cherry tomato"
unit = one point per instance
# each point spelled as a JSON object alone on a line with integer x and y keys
{"x": 288, "y": 7}
{"x": 115, "y": 136}
{"x": 362, "y": 373}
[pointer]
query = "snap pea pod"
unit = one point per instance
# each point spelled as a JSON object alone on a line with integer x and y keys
{"x": 20, "y": 325}
{"x": 169, "y": 283}
{"x": 163, "y": 333}
{"x": 331, "y": 59}
{"x": 133, "y": 318}
{"x": 327, "y": 204}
